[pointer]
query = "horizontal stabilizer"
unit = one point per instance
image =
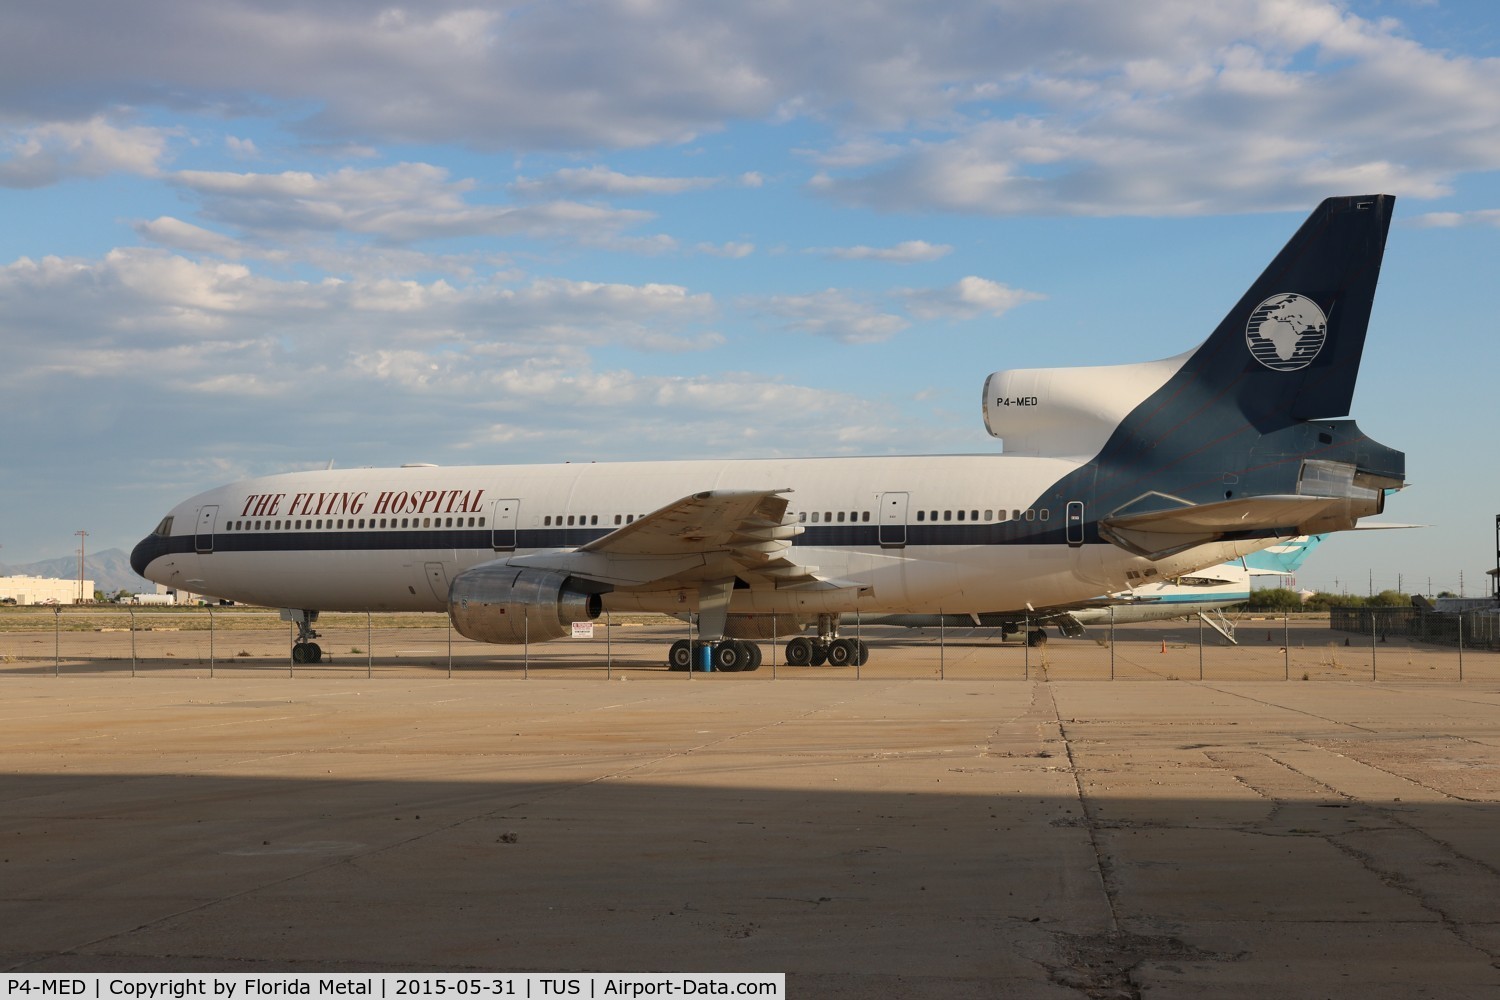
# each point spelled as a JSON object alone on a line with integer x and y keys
{"x": 1160, "y": 533}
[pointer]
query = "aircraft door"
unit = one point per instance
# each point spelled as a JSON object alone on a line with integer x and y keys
{"x": 1074, "y": 523}
{"x": 893, "y": 520}
{"x": 503, "y": 524}
{"x": 203, "y": 541}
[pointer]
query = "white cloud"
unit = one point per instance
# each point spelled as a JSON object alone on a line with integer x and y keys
{"x": 597, "y": 180}
{"x": 241, "y": 149}
{"x": 1448, "y": 220}
{"x": 730, "y": 249}
{"x": 178, "y": 235}
{"x": 833, "y": 313}
{"x": 908, "y": 252}
{"x": 45, "y": 154}
{"x": 965, "y": 299}
{"x": 1010, "y": 106}
{"x": 399, "y": 204}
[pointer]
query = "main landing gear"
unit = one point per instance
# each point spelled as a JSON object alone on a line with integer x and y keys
{"x": 726, "y": 655}
{"x": 734, "y": 655}
{"x": 304, "y": 650}
{"x": 805, "y": 651}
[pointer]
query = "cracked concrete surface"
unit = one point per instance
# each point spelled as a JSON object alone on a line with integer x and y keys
{"x": 915, "y": 838}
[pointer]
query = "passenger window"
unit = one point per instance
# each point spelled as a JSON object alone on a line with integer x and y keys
{"x": 828, "y": 516}
{"x": 841, "y": 517}
{"x": 404, "y": 522}
{"x": 629, "y": 518}
{"x": 801, "y": 517}
{"x": 1015, "y": 516}
{"x": 815, "y": 517}
{"x": 921, "y": 515}
{"x": 989, "y": 515}
{"x": 593, "y": 519}
{"x": 1031, "y": 514}
{"x": 1045, "y": 513}
{"x": 960, "y": 515}
{"x": 617, "y": 518}
{"x": 947, "y": 515}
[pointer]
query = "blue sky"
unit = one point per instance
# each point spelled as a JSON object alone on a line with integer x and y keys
{"x": 247, "y": 237}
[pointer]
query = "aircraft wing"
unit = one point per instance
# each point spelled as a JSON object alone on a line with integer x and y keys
{"x": 712, "y": 535}
{"x": 1160, "y": 533}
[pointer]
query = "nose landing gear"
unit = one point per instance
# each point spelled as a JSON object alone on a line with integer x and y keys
{"x": 304, "y": 650}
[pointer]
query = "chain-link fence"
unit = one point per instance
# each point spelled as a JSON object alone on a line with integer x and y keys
{"x": 244, "y": 642}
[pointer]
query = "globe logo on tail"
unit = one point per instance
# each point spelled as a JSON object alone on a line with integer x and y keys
{"x": 1286, "y": 332}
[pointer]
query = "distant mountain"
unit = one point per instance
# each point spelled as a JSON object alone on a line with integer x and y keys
{"x": 110, "y": 570}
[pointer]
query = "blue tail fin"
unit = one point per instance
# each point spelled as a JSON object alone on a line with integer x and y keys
{"x": 1241, "y": 441}
{"x": 1290, "y": 348}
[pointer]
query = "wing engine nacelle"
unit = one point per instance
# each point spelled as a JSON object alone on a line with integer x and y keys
{"x": 497, "y": 603}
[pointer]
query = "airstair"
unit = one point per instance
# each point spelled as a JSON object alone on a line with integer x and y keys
{"x": 1215, "y": 620}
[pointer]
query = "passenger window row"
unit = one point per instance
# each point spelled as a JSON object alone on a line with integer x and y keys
{"x": 345, "y": 523}
{"x": 1032, "y": 514}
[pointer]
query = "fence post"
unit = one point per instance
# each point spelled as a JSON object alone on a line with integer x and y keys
{"x": 773, "y": 645}
{"x": 1200, "y": 645}
{"x": 1286, "y": 645}
{"x": 56, "y": 640}
{"x": 1111, "y": 642}
{"x": 526, "y": 646}
{"x": 1026, "y": 646}
{"x": 859, "y": 641}
{"x": 369, "y": 645}
{"x": 1373, "y": 676}
{"x": 132, "y": 642}
{"x": 450, "y": 647}
{"x": 210, "y": 642}
{"x": 1460, "y": 647}
{"x": 942, "y": 646}
{"x": 609, "y": 648}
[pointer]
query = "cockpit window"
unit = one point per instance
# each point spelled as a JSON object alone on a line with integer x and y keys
{"x": 165, "y": 528}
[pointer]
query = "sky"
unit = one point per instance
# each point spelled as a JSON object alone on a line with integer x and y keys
{"x": 259, "y": 236}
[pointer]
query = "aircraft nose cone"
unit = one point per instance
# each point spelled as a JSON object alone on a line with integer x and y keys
{"x": 145, "y": 551}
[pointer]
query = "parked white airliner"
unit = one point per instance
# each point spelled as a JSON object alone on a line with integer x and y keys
{"x": 1110, "y": 475}
{"x": 1199, "y": 593}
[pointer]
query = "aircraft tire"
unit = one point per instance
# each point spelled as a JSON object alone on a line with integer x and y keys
{"x": 680, "y": 656}
{"x": 301, "y": 653}
{"x": 1036, "y": 637}
{"x": 755, "y": 656}
{"x": 730, "y": 656}
{"x": 317, "y": 652}
{"x": 819, "y": 653}
{"x": 864, "y": 651}
{"x": 799, "y": 652}
{"x": 843, "y": 653}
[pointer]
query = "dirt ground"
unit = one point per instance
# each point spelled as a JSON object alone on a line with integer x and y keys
{"x": 970, "y": 819}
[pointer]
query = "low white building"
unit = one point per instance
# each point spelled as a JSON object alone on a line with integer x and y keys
{"x": 42, "y": 590}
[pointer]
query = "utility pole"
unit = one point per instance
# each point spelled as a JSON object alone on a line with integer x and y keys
{"x": 82, "y": 538}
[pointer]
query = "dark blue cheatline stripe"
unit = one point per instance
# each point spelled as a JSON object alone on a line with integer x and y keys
{"x": 480, "y": 539}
